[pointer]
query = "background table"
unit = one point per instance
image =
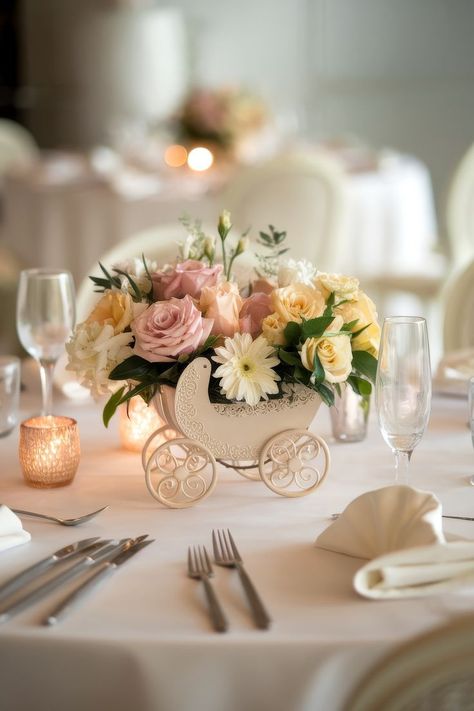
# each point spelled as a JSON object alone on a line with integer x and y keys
{"x": 143, "y": 640}
{"x": 391, "y": 222}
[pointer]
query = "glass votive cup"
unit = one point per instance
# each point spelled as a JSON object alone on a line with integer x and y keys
{"x": 349, "y": 415}
{"x": 49, "y": 450}
{"x": 137, "y": 423}
{"x": 9, "y": 393}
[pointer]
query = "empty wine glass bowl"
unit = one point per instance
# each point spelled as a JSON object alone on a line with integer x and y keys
{"x": 471, "y": 415}
{"x": 45, "y": 318}
{"x": 403, "y": 386}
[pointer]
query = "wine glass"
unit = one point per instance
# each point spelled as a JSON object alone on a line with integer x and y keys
{"x": 45, "y": 317}
{"x": 403, "y": 387}
{"x": 471, "y": 416}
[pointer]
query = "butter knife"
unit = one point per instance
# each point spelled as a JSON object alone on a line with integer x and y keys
{"x": 99, "y": 574}
{"x": 106, "y": 549}
{"x": 34, "y": 571}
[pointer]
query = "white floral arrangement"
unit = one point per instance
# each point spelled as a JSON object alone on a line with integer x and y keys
{"x": 291, "y": 324}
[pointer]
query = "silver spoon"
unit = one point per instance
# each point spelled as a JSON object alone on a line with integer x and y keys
{"x": 62, "y": 521}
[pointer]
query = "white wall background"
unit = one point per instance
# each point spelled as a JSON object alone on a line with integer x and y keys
{"x": 397, "y": 73}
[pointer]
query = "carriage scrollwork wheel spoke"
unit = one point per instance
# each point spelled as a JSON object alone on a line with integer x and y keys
{"x": 180, "y": 472}
{"x": 294, "y": 462}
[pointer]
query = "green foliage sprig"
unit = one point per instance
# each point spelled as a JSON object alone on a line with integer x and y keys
{"x": 269, "y": 262}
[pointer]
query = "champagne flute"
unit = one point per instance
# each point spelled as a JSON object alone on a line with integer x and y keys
{"x": 471, "y": 416}
{"x": 45, "y": 317}
{"x": 403, "y": 387}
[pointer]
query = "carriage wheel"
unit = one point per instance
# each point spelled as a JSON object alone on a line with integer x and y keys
{"x": 180, "y": 472}
{"x": 294, "y": 462}
{"x": 161, "y": 435}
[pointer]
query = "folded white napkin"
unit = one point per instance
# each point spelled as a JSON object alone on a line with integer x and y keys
{"x": 385, "y": 520}
{"x": 418, "y": 571}
{"x": 399, "y": 529}
{"x": 11, "y": 530}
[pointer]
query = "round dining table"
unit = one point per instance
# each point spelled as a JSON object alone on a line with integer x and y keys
{"x": 143, "y": 639}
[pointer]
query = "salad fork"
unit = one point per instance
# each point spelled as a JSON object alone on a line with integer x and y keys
{"x": 200, "y": 568}
{"x": 227, "y": 555}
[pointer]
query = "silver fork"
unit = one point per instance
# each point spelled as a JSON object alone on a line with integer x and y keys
{"x": 200, "y": 568}
{"x": 227, "y": 555}
{"x": 62, "y": 521}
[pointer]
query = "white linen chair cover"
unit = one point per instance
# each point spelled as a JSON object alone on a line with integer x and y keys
{"x": 302, "y": 194}
{"x": 460, "y": 210}
{"x": 432, "y": 672}
{"x": 458, "y": 309}
{"x": 18, "y": 148}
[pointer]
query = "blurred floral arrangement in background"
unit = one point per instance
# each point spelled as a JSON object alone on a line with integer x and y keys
{"x": 289, "y": 324}
{"x": 221, "y": 116}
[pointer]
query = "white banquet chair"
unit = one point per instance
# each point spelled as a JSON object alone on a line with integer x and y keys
{"x": 433, "y": 672}
{"x": 458, "y": 309}
{"x": 18, "y": 148}
{"x": 460, "y": 210}
{"x": 300, "y": 193}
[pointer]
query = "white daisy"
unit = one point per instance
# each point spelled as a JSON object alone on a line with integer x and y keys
{"x": 246, "y": 369}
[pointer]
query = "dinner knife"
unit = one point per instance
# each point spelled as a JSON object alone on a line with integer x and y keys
{"x": 101, "y": 572}
{"x": 106, "y": 550}
{"x": 34, "y": 571}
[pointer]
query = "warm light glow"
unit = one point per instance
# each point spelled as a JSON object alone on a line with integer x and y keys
{"x": 136, "y": 427}
{"x": 175, "y": 156}
{"x": 200, "y": 159}
{"x": 49, "y": 450}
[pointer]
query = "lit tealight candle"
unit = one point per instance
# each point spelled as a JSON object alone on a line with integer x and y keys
{"x": 136, "y": 426}
{"x": 176, "y": 156}
{"x": 200, "y": 159}
{"x": 49, "y": 450}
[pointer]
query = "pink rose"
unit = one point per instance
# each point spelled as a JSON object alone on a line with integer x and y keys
{"x": 252, "y": 313}
{"x": 188, "y": 277}
{"x": 222, "y": 303}
{"x": 263, "y": 285}
{"x": 168, "y": 329}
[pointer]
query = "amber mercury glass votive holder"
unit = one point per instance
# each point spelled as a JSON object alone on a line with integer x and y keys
{"x": 49, "y": 450}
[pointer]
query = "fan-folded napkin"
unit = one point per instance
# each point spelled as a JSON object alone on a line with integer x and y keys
{"x": 399, "y": 529}
{"x": 11, "y": 530}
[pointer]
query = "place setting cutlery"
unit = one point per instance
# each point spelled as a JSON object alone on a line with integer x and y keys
{"x": 101, "y": 556}
{"x": 226, "y": 555}
{"x": 61, "y": 521}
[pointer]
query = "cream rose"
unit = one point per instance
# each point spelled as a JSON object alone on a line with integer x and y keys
{"x": 222, "y": 304}
{"x": 334, "y": 352}
{"x": 272, "y": 329}
{"x": 343, "y": 287}
{"x": 297, "y": 301}
{"x": 115, "y": 309}
{"x": 363, "y": 309}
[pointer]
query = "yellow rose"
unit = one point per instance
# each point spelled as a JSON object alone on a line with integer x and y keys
{"x": 363, "y": 309}
{"x": 344, "y": 287}
{"x": 334, "y": 352}
{"x": 272, "y": 329}
{"x": 115, "y": 308}
{"x": 297, "y": 301}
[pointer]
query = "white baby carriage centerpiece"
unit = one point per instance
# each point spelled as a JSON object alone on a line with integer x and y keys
{"x": 236, "y": 363}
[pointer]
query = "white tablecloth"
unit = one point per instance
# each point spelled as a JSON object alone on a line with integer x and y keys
{"x": 143, "y": 640}
{"x": 391, "y": 224}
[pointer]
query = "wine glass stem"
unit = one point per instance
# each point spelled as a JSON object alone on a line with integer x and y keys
{"x": 402, "y": 459}
{"x": 46, "y": 372}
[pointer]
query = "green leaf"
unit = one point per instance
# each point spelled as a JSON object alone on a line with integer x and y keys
{"x": 288, "y": 357}
{"x": 357, "y": 333}
{"x": 111, "y": 405}
{"x": 349, "y": 326}
{"x": 315, "y": 327}
{"x": 326, "y": 394}
{"x": 359, "y": 385}
{"x": 365, "y": 364}
{"x": 329, "y": 304}
{"x": 292, "y": 333}
{"x": 318, "y": 370}
{"x": 136, "y": 290}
